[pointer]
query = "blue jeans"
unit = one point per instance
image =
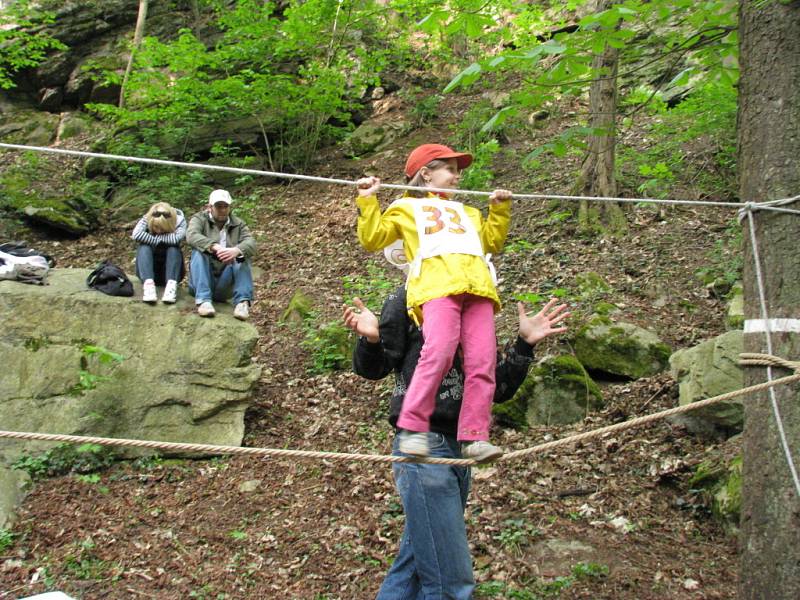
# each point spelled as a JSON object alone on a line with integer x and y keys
{"x": 433, "y": 561}
{"x": 235, "y": 280}
{"x": 169, "y": 258}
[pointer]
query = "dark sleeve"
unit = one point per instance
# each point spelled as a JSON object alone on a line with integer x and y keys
{"x": 376, "y": 361}
{"x": 512, "y": 368}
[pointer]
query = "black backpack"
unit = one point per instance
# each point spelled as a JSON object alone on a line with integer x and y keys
{"x": 110, "y": 279}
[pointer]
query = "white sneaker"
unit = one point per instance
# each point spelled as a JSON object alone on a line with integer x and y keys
{"x": 413, "y": 442}
{"x": 149, "y": 292}
{"x": 242, "y": 310}
{"x": 170, "y": 292}
{"x": 205, "y": 309}
{"x": 480, "y": 451}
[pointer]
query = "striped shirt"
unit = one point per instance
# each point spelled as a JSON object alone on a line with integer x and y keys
{"x": 143, "y": 236}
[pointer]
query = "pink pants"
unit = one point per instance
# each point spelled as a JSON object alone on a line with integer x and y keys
{"x": 447, "y": 322}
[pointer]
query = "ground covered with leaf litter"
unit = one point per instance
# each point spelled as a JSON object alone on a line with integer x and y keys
{"x": 612, "y": 518}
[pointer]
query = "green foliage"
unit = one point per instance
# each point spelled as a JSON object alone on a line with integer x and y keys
{"x": 541, "y": 589}
{"x": 425, "y": 109}
{"x": 88, "y": 380}
{"x": 515, "y": 533}
{"x": 470, "y": 131}
{"x": 515, "y": 245}
{"x": 292, "y": 75}
{"x": 725, "y": 260}
{"x": 6, "y": 539}
{"x": 372, "y": 288}
{"x": 330, "y": 344}
{"x": 86, "y": 565}
{"x": 23, "y": 44}
{"x": 704, "y": 122}
{"x": 549, "y": 67}
{"x": 659, "y": 180}
{"x": 479, "y": 175}
{"x": 66, "y": 458}
{"x": 589, "y": 570}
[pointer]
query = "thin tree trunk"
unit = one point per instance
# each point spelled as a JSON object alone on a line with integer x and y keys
{"x": 597, "y": 173}
{"x": 138, "y": 34}
{"x": 769, "y": 147}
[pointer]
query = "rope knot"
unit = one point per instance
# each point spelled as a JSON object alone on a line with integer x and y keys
{"x": 746, "y": 210}
{"x": 749, "y": 359}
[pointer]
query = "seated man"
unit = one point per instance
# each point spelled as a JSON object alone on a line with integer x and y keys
{"x": 220, "y": 264}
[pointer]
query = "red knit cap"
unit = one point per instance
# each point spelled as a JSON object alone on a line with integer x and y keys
{"x": 424, "y": 154}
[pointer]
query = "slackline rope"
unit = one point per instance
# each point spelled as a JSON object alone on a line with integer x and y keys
{"x": 747, "y": 212}
{"x": 187, "y": 165}
{"x": 746, "y": 359}
{"x": 744, "y": 211}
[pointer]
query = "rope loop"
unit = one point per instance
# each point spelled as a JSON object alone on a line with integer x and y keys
{"x": 752, "y": 359}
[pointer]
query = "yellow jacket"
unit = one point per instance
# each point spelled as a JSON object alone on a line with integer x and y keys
{"x": 444, "y": 275}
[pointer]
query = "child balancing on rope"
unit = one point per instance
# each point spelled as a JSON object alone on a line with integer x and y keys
{"x": 450, "y": 290}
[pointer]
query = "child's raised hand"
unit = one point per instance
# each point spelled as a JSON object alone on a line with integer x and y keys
{"x": 499, "y": 196}
{"x": 368, "y": 186}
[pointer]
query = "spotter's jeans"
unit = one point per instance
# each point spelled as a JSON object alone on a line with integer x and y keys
{"x": 235, "y": 280}
{"x": 433, "y": 562}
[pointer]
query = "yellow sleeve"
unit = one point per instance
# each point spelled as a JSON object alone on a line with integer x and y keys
{"x": 375, "y": 230}
{"x": 495, "y": 228}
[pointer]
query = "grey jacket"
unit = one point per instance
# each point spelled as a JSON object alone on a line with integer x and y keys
{"x": 203, "y": 232}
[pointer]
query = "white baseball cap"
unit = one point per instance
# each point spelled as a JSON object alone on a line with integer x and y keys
{"x": 219, "y": 196}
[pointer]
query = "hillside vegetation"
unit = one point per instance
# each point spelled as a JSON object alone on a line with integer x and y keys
{"x": 289, "y": 87}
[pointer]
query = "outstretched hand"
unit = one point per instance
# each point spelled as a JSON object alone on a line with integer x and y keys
{"x": 542, "y": 324}
{"x": 361, "y": 320}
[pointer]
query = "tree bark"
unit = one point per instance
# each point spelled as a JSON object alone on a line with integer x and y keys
{"x": 769, "y": 151}
{"x": 138, "y": 34}
{"x": 597, "y": 172}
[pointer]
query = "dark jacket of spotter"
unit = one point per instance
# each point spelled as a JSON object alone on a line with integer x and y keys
{"x": 398, "y": 351}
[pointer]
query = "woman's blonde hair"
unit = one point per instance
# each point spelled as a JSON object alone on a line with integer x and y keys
{"x": 419, "y": 181}
{"x": 161, "y": 218}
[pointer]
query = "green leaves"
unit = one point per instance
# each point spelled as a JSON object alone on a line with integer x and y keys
{"x": 21, "y": 45}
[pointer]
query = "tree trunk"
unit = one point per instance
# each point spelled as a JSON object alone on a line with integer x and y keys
{"x": 138, "y": 34}
{"x": 769, "y": 147}
{"x": 597, "y": 173}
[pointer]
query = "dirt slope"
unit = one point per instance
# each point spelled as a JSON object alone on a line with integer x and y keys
{"x": 248, "y": 528}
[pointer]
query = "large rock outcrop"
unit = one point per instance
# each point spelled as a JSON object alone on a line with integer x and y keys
{"x": 709, "y": 369}
{"x": 182, "y": 378}
{"x": 557, "y": 391}
{"x": 620, "y": 349}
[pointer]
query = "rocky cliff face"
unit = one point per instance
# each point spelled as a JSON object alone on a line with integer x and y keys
{"x": 182, "y": 378}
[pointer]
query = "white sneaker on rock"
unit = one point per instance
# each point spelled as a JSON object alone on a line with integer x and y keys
{"x": 480, "y": 451}
{"x": 149, "y": 292}
{"x": 205, "y": 309}
{"x": 242, "y": 310}
{"x": 170, "y": 292}
{"x": 413, "y": 442}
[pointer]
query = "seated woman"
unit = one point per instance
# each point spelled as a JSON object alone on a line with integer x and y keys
{"x": 159, "y": 260}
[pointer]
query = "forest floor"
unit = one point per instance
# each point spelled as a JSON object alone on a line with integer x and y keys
{"x": 613, "y": 518}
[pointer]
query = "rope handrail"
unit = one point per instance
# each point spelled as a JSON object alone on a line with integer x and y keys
{"x": 747, "y": 359}
{"x": 771, "y": 205}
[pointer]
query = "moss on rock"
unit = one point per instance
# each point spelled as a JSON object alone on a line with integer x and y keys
{"x": 557, "y": 391}
{"x": 620, "y": 349}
